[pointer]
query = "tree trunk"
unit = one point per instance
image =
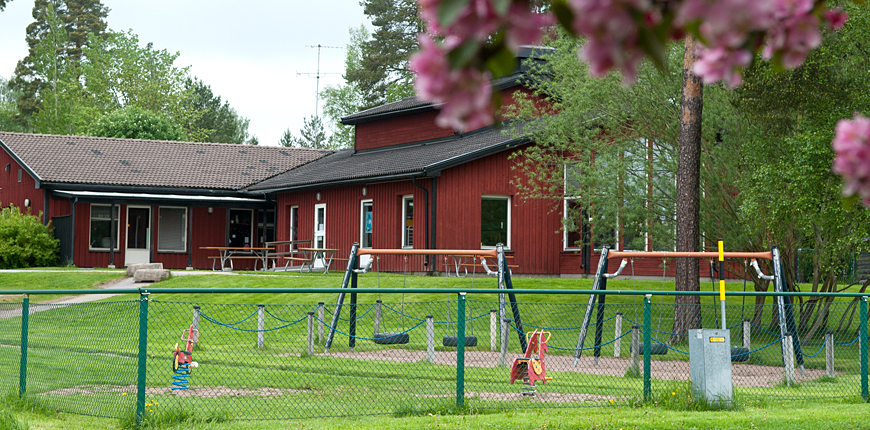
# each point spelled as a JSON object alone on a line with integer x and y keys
{"x": 687, "y": 311}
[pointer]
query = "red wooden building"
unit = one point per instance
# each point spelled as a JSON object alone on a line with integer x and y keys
{"x": 169, "y": 199}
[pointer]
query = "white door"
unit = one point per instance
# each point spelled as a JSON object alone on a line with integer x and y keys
{"x": 319, "y": 230}
{"x": 138, "y": 249}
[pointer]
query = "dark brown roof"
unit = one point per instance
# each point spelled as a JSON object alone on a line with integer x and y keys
{"x": 409, "y": 160}
{"x": 151, "y": 163}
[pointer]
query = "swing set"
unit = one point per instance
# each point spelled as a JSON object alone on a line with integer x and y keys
{"x": 785, "y": 310}
{"x": 349, "y": 281}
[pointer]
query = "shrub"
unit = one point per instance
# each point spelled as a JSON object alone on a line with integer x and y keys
{"x": 24, "y": 241}
{"x": 136, "y": 123}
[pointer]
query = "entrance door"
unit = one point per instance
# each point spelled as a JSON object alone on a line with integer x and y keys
{"x": 319, "y": 231}
{"x": 138, "y": 235}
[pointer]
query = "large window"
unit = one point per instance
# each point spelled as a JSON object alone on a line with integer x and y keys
{"x": 573, "y": 222}
{"x": 366, "y": 226}
{"x": 294, "y": 226}
{"x": 407, "y": 222}
{"x": 172, "y": 230}
{"x": 101, "y": 225}
{"x": 495, "y": 215}
{"x": 265, "y": 226}
{"x": 241, "y": 227}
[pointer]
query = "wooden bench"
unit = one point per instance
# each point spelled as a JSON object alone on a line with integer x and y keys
{"x": 241, "y": 257}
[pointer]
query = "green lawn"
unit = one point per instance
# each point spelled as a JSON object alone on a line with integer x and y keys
{"x": 47, "y": 280}
{"x": 89, "y": 351}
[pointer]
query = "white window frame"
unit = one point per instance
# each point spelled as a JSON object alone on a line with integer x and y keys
{"x": 565, "y": 245}
{"x": 294, "y": 231}
{"x": 509, "y": 216}
{"x": 362, "y": 222}
{"x": 314, "y": 241}
{"x": 117, "y": 226}
{"x": 184, "y": 230}
{"x": 402, "y": 224}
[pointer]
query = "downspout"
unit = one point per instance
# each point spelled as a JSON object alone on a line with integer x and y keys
{"x": 112, "y": 236}
{"x": 72, "y": 233}
{"x": 46, "y": 198}
{"x": 434, "y": 214}
{"x": 425, "y": 211}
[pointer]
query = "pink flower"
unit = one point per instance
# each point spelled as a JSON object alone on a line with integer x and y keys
{"x": 852, "y": 160}
{"x": 612, "y": 32}
{"x": 722, "y": 64}
{"x": 836, "y": 18}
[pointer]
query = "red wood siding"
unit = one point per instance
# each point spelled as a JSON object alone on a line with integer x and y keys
{"x": 403, "y": 129}
{"x": 535, "y": 238}
{"x": 344, "y": 219}
{"x": 13, "y": 192}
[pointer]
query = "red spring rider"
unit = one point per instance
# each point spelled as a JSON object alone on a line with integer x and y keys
{"x": 182, "y": 360}
{"x": 531, "y": 368}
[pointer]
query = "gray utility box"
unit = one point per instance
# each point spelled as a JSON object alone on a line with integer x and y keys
{"x": 710, "y": 365}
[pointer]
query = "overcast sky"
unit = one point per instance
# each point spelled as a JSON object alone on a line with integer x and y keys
{"x": 248, "y": 51}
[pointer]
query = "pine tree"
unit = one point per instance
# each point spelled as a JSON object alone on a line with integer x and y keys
{"x": 383, "y": 74}
{"x": 79, "y": 18}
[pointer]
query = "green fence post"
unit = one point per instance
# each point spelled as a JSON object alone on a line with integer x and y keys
{"x": 143, "y": 354}
{"x": 460, "y": 351}
{"x": 862, "y": 344}
{"x": 25, "y": 318}
{"x": 647, "y": 339}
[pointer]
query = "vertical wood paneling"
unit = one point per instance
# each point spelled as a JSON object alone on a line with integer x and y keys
{"x": 13, "y": 192}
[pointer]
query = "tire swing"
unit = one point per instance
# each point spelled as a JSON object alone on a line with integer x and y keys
{"x": 392, "y": 338}
{"x": 453, "y": 341}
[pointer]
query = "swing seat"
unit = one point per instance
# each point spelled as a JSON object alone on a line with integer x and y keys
{"x": 453, "y": 341}
{"x": 654, "y": 349}
{"x": 391, "y": 338}
{"x": 739, "y": 354}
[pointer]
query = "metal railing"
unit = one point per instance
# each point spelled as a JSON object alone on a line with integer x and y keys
{"x": 269, "y": 361}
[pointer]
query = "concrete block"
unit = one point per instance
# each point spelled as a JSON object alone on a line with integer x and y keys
{"x": 150, "y": 275}
{"x": 131, "y": 269}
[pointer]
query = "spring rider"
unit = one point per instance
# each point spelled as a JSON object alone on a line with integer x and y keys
{"x": 529, "y": 368}
{"x": 182, "y": 360}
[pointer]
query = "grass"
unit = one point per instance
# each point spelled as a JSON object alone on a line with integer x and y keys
{"x": 46, "y": 280}
{"x": 94, "y": 347}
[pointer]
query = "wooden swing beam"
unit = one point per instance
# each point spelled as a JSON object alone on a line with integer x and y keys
{"x": 457, "y": 252}
{"x": 666, "y": 254}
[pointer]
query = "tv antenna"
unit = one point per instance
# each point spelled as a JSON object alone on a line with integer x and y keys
{"x": 317, "y": 75}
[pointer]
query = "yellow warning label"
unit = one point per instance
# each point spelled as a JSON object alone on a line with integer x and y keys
{"x": 717, "y": 339}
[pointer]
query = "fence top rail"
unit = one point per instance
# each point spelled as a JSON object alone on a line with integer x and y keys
{"x": 667, "y": 254}
{"x": 422, "y": 291}
{"x": 457, "y": 252}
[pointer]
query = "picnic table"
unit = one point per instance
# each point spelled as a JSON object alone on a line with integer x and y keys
{"x": 292, "y": 252}
{"x": 230, "y": 253}
{"x": 469, "y": 260}
{"x": 312, "y": 255}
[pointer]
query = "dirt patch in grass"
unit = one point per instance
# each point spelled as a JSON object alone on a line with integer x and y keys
{"x": 206, "y": 392}
{"x": 742, "y": 375}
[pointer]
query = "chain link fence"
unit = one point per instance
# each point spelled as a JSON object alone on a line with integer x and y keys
{"x": 116, "y": 359}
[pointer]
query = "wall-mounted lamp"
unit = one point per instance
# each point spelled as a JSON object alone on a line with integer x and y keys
{"x": 27, "y": 203}
{"x": 8, "y": 167}
{"x": 318, "y": 196}
{"x": 365, "y": 191}
{"x": 210, "y": 210}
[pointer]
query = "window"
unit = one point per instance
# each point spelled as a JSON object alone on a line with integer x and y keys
{"x": 101, "y": 226}
{"x": 265, "y": 226}
{"x": 407, "y": 222}
{"x": 366, "y": 219}
{"x": 573, "y": 223}
{"x": 241, "y": 227}
{"x": 294, "y": 226}
{"x": 172, "y": 230}
{"x": 495, "y": 215}
{"x": 320, "y": 225}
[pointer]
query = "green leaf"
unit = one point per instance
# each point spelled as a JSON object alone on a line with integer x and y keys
{"x": 449, "y": 11}
{"x": 501, "y": 62}
{"x": 564, "y": 15}
{"x": 461, "y": 55}
{"x": 849, "y": 202}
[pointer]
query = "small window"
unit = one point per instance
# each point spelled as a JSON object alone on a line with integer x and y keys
{"x": 19, "y": 175}
{"x": 172, "y": 230}
{"x": 320, "y": 225}
{"x": 408, "y": 222}
{"x": 367, "y": 224}
{"x": 494, "y": 221}
{"x": 294, "y": 226}
{"x": 101, "y": 227}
